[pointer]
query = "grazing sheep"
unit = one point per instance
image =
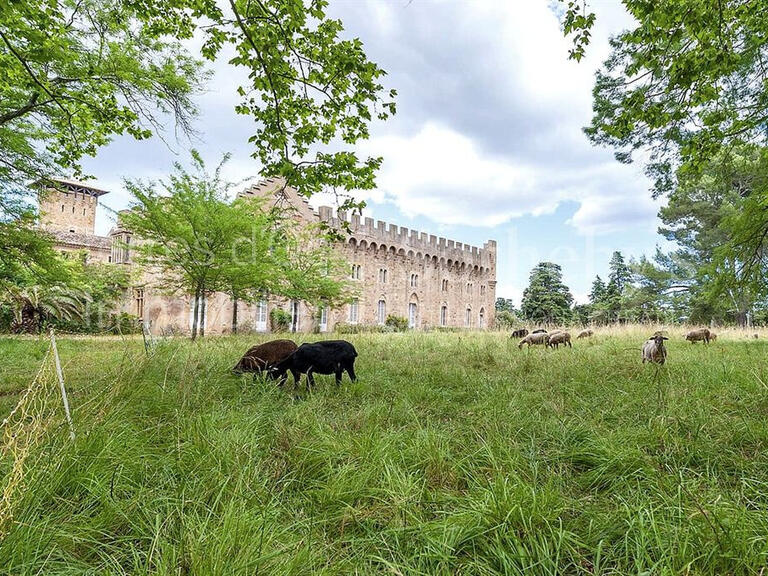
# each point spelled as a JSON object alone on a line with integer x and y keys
{"x": 520, "y": 333}
{"x": 585, "y": 334}
{"x": 558, "y": 338}
{"x": 264, "y": 356}
{"x": 324, "y": 357}
{"x": 712, "y": 336}
{"x": 533, "y": 339}
{"x": 539, "y": 331}
{"x": 697, "y": 335}
{"x": 654, "y": 350}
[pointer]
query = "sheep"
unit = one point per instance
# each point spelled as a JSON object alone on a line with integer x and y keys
{"x": 264, "y": 356}
{"x": 560, "y": 337}
{"x": 755, "y": 336}
{"x": 712, "y": 336}
{"x": 324, "y": 357}
{"x": 699, "y": 334}
{"x": 539, "y": 331}
{"x": 654, "y": 350}
{"x": 533, "y": 339}
{"x": 585, "y": 334}
{"x": 519, "y": 333}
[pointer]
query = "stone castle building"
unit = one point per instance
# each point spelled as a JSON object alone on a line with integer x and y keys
{"x": 431, "y": 281}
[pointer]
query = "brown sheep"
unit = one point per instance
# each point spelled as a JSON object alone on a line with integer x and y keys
{"x": 558, "y": 338}
{"x": 585, "y": 334}
{"x": 520, "y": 333}
{"x": 262, "y": 357}
{"x": 698, "y": 335}
{"x": 654, "y": 350}
{"x": 533, "y": 339}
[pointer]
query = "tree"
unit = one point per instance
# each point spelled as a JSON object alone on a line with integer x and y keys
{"x": 687, "y": 82}
{"x": 597, "y": 294}
{"x": 547, "y": 299}
{"x": 620, "y": 275}
{"x": 197, "y": 243}
{"x": 77, "y": 72}
{"x": 505, "y": 305}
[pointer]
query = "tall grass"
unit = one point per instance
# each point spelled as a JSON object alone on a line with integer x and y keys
{"x": 452, "y": 454}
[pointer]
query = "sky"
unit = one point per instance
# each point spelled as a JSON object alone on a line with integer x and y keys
{"x": 487, "y": 142}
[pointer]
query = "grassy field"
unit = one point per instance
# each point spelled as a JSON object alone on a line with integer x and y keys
{"x": 451, "y": 454}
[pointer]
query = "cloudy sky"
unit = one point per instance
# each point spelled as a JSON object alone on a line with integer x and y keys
{"x": 486, "y": 144}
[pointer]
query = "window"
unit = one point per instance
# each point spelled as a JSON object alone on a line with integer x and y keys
{"x": 83, "y": 211}
{"x": 121, "y": 248}
{"x": 444, "y": 285}
{"x": 138, "y": 296}
{"x": 469, "y": 288}
{"x": 383, "y": 275}
{"x": 353, "y": 307}
{"x": 414, "y": 280}
{"x": 62, "y": 207}
{"x": 481, "y": 319}
{"x": 355, "y": 274}
{"x": 324, "y": 319}
{"x": 412, "y": 310}
{"x": 381, "y": 312}
{"x": 73, "y": 209}
{"x": 72, "y": 230}
{"x": 261, "y": 316}
{"x": 443, "y": 315}
{"x": 468, "y": 318}
{"x": 482, "y": 290}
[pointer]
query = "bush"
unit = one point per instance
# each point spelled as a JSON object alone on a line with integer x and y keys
{"x": 397, "y": 323}
{"x": 343, "y": 328}
{"x": 280, "y": 320}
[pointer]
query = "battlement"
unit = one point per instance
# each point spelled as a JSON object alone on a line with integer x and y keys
{"x": 391, "y": 235}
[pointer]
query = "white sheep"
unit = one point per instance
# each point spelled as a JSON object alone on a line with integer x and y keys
{"x": 533, "y": 339}
{"x": 654, "y": 350}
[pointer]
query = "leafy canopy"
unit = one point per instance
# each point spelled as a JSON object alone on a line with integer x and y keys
{"x": 686, "y": 82}
{"x": 78, "y": 72}
{"x": 547, "y": 299}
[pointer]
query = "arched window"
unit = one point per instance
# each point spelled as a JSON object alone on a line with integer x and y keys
{"x": 444, "y": 285}
{"x": 356, "y": 271}
{"x": 468, "y": 318}
{"x": 381, "y": 312}
{"x": 324, "y": 319}
{"x": 481, "y": 319}
{"x": 412, "y": 314}
{"x": 383, "y": 275}
{"x": 414, "y": 280}
{"x": 443, "y": 315}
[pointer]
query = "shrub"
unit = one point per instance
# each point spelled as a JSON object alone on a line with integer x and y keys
{"x": 343, "y": 328}
{"x": 280, "y": 320}
{"x": 397, "y": 323}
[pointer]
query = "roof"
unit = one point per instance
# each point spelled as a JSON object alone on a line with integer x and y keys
{"x": 72, "y": 185}
{"x": 78, "y": 240}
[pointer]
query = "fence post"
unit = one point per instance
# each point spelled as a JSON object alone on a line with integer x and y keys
{"x": 61, "y": 385}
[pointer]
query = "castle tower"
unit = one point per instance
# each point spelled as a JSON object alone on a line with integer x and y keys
{"x": 68, "y": 206}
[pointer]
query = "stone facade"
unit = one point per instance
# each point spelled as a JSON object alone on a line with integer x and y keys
{"x": 431, "y": 281}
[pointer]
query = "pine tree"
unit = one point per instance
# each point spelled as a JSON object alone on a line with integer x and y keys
{"x": 547, "y": 299}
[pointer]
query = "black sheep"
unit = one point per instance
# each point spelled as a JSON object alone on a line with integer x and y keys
{"x": 326, "y": 357}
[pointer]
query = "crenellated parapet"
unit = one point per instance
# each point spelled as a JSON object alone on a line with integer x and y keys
{"x": 410, "y": 243}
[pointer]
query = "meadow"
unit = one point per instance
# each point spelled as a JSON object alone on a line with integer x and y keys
{"x": 451, "y": 454}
